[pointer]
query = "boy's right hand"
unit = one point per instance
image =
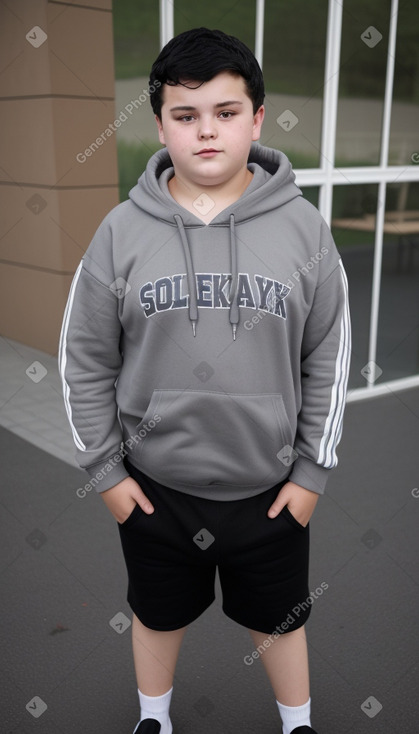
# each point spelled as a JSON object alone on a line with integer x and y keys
{"x": 122, "y": 498}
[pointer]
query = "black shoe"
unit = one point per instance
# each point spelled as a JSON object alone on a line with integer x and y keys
{"x": 303, "y": 730}
{"x": 148, "y": 726}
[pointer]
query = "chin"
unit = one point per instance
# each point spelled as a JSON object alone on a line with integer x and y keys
{"x": 212, "y": 180}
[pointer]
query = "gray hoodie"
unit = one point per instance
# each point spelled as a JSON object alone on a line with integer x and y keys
{"x": 214, "y": 356}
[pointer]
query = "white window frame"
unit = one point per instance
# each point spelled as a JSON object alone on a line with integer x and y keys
{"x": 327, "y": 175}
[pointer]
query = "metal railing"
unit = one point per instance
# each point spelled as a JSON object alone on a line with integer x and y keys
{"x": 328, "y": 175}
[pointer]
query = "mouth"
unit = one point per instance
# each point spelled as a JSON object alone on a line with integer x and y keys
{"x": 207, "y": 151}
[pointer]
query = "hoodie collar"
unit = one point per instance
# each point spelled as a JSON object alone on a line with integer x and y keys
{"x": 272, "y": 185}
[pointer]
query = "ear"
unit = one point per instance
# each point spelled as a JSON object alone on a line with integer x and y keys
{"x": 257, "y": 122}
{"x": 160, "y": 129}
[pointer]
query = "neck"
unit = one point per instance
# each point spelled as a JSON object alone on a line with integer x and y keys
{"x": 221, "y": 194}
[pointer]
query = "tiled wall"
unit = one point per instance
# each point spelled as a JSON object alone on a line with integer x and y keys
{"x": 56, "y": 98}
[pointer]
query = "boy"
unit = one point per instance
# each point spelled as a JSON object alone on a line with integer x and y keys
{"x": 204, "y": 356}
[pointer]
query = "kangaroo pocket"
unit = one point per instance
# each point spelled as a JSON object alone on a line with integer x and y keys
{"x": 201, "y": 438}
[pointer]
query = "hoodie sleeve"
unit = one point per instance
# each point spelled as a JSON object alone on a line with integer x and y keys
{"x": 325, "y": 361}
{"x": 89, "y": 364}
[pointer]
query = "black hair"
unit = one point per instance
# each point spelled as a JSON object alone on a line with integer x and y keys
{"x": 200, "y": 54}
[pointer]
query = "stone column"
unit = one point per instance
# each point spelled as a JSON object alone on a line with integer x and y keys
{"x": 58, "y": 163}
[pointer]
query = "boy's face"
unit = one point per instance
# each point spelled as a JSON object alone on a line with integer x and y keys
{"x": 218, "y": 115}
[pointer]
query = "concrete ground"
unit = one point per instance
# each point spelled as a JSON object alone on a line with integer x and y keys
{"x": 66, "y": 649}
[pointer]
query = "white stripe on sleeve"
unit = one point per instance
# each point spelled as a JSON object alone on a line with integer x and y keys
{"x": 62, "y": 358}
{"x": 333, "y": 427}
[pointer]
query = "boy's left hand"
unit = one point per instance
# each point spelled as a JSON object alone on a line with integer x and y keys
{"x": 301, "y": 502}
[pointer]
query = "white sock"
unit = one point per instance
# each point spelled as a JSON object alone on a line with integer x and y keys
{"x": 294, "y": 716}
{"x": 157, "y": 707}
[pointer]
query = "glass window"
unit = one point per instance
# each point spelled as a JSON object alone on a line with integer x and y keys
{"x": 237, "y": 19}
{"x": 136, "y": 38}
{"x": 353, "y": 229}
{"x": 311, "y": 193}
{"x": 293, "y": 65}
{"x": 362, "y": 79}
{"x": 404, "y": 144}
{"x": 398, "y": 326}
{"x": 136, "y": 45}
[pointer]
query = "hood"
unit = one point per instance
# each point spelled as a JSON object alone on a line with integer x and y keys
{"x": 272, "y": 186}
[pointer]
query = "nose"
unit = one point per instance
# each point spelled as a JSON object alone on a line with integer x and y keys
{"x": 207, "y": 128}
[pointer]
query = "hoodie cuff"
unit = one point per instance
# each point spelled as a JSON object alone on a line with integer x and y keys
{"x": 107, "y": 473}
{"x": 309, "y": 475}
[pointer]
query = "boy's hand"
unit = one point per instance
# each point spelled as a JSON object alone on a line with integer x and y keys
{"x": 122, "y": 498}
{"x": 301, "y": 502}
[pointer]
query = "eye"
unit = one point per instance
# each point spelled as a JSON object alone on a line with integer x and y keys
{"x": 185, "y": 118}
{"x": 226, "y": 114}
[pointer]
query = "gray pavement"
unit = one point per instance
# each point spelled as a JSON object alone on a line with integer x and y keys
{"x": 63, "y": 591}
{"x": 31, "y": 399}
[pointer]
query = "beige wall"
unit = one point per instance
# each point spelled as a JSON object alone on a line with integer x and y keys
{"x": 56, "y": 99}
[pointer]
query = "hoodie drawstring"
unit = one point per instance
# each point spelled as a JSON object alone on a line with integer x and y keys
{"x": 234, "y": 306}
{"x": 191, "y": 276}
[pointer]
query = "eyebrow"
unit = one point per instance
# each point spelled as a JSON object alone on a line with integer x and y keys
{"x": 193, "y": 109}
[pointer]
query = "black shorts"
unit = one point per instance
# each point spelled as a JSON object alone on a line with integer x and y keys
{"x": 172, "y": 555}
